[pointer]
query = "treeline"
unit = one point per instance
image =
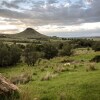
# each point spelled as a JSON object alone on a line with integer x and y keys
{"x": 12, "y": 54}
{"x": 84, "y": 43}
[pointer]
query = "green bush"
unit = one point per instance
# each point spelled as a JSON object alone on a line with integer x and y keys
{"x": 9, "y": 55}
{"x": 96, "y": 59}
{"x": 66, "y": 50}
{"x": 15, "y": 53}
{"x": 31, "y": 54}
{"x": 50, "y": 51}
{"x": 96, "y": 46}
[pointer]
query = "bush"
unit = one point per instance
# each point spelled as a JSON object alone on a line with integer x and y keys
{"x": 50, "y": 51}
{"x": 95, "y": 59}
{"x": 9, "y": 55}
{"x": 79, "y": 43}
{"x": 90, "y": 67}
{"x": 31, "y": 55}
{"x": 96, "y": 46}
{"x": 15, "y": 53}
{"x": 46, "y": 77}
{"x": 21, "y": 46}
{"x": 66, "y": 50}
{"x": 22, "y": 79}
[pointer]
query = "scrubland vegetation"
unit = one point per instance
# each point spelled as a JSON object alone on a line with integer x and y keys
{"x": 53, "y": 70}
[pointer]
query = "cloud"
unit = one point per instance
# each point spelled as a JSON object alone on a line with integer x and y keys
{"x": 53, "y": 12}
{"x": 9, "y": 5}
{"x": 13, "y": 14}
{"x": 94, "y": 12}
{"x": 9, "y": 31}
{"x": 52, "y": 1}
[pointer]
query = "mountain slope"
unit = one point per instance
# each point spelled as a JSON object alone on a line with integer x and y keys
{"x": 29, "y": 33}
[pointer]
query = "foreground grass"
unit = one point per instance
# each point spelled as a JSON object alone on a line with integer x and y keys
{"x": 75, "y": 84}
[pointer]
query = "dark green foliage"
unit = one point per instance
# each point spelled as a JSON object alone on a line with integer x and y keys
{"x": 21, "y": 46}
{"x": 39, "y": 48}
{"x": 50, "y": 51}
{"x": 79, "y": 43}
{"x": 9, "y": 55}
{"x": 5, "y": 58}
{"x": 31, "y": 54}
{"x": 60, "y": 46}
{"x": 10, "y": 96}
{"x": 31, "y": 58}
{"x": 15, "y": 53}
{"x": 96, "y": 46}
{"x": 96, "y": 59}
{"x": 66, "y": 50}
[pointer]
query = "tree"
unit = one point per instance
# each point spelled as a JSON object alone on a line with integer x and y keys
{"x": 50, "y": 51}
{"x": 5, "y": 58}
{"x": 31, "y": 58}
{"x": 31, "y": 55}
{"x": 15, "y": 53}
{"x": 60, "y": 46}
{"x": 66, "y": 50}
{"x": 96, "y": 46}
{"x": 9, "y": 55}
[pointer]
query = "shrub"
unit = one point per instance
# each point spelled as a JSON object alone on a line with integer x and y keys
{"x": 31, "y": 58}
{"x": 46, "y": 77}
{"x": 50, "y": 51}
{"x": 90, "y": 67}
{"x": 60, "y": 46}
{"x": 95, "y": 59}
{"x": 22, "y": 79}
{"x": 77, "y": 43}
{"x": 21, "y": 46}
{"x": 15, "y": 53}
{"x": 31, "y": 55}
{"x": 66, "y": 50}
{"x": 96, "y": 46}
{"x": 9, "y": 55}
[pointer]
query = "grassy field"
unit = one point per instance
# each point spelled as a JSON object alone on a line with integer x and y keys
{"x": 72, "y": 82}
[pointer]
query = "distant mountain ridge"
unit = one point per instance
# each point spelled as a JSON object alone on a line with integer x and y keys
{"x": 30, "y": 33}
{"x": 27, "y": 33}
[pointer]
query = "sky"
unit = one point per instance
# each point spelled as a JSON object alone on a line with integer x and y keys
{"x": 51, "y": 17}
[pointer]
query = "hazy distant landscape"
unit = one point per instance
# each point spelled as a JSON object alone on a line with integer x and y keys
{"x": 49, "y": 50}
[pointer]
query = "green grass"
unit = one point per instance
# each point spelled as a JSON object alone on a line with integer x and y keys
{"x": 75, "y": 84}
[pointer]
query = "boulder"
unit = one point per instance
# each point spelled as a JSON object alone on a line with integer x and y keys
{"x": 7, "y": 89}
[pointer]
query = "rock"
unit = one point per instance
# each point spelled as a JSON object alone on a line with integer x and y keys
{"x": 7, "y": 89}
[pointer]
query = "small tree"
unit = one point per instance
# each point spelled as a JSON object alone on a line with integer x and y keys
{"x": 31, "y": 58}
{"x": 15, "y": 53}
{"x": 5, "y": 58}
{"x": 31, "y": 55}
{"x": 66, "y": 50}
{"x": 60, "y": 46}
{"x": 50, "y": 51}
{"x": 96, "y": 59}
{"x": 9, "y": 55}
{"x": 96, "y": 46}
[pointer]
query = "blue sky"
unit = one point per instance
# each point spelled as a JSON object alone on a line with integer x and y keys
{"x": 51, "y": 16}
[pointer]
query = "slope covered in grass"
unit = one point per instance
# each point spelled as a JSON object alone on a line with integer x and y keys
{"x": 65, "y": 82}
